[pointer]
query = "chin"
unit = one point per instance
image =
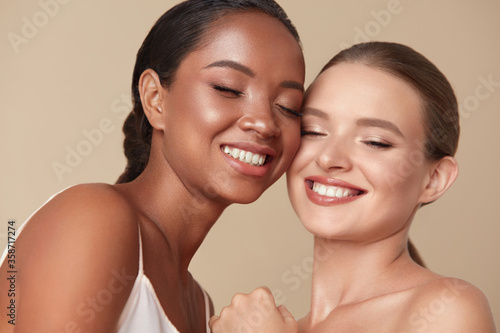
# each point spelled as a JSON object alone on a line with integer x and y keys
{"x": 249, "y": 197}
{"x": 246, "y": 201}
{"x": 327, "y": 230}
{"x": 238, "y": 197}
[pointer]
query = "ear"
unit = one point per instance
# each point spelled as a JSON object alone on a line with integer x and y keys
{"x": 442, "y": 175}
{"x": 151, "y": 90}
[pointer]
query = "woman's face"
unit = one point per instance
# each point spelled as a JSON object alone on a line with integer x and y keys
{"x": 231, "y": 124}
{"x": 360, "y": 170}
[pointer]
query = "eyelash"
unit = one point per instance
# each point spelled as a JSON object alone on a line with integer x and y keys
{"x": 227, "y": 90}
{"x": 378, "y": 144}
{"x": 237, "y": 93}
{"x": 374, "y": 144}
{"x": 293, "y": 113}
{"x": 311, "y": 133}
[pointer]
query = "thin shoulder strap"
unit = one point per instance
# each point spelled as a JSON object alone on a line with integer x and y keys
{"x": 207, "y": 308}
{"x": 140, "y": 252}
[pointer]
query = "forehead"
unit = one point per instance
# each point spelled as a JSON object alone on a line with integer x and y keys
{"x": 356, "y": 90}
{"x": 254, "y": 39}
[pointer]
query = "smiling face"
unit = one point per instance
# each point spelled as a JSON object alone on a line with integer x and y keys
{"x": 230, "y": 117}
{"x": 360, "y": 171}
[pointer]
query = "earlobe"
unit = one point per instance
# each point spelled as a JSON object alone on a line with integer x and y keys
{"x": 443, "y": 174}
{"x": 150, "y": 89}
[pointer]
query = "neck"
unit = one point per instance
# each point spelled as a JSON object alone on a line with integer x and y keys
{"x": 179, "y": 219}
{"x": 347, "y": 272}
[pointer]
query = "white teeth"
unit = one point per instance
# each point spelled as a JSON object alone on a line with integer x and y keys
{"x": 245, "y": 156}
{"x": 322, "y": 190}
{"x": 333, "y": 191}
{"x": 248, "y": 157}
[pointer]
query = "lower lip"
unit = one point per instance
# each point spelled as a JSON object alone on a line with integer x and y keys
{"x": 323, "y": 200}
{"x": 247, "y": 169}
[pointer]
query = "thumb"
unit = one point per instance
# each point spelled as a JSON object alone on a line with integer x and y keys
{"x": 287, "y": 316}
{"x": 212, "y": 321}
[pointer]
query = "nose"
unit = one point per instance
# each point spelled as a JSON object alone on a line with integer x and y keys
{"x": 334, "y": 155}
{"x": 262, "y": 120}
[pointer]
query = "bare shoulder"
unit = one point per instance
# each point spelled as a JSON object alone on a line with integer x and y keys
{"x": 95, "y": 208}
{"x": 80, "y": 248}
{"x": 82, "y": 224}
{"x": 449, "y": 305}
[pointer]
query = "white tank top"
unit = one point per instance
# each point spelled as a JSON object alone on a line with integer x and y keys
{"x": 143, "y": 311}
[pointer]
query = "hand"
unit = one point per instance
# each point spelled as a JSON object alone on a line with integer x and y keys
{"x": 255, "y": 312}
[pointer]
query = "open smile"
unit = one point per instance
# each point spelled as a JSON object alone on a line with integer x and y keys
{"x": 248, "y": 158}
{"x": 332, "y": 191}
{"x": 327, "y": 191}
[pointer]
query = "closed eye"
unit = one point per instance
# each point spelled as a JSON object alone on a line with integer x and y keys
{"x": 378, "y": 144}
{"x": 291, "y": 112}
{"x": 228, "y": 92}
{"x": 310, "y": 133}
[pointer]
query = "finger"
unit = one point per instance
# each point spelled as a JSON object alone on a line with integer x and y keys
{"x": 263, "y": 294}
{"x": 287, "y": 316}
{"x": 265, "y": 299}
{"x": 212, "y": 321}
{"x": 263, "y": 291}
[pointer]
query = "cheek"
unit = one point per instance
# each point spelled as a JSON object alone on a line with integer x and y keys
{"x": 213, "y": 109}
{"x": 203, "y": 109}
{"x": 399, "y": 174}
{"x": 299, "y": 169}
{"x": 305, "y": 155}
{"x": 290, "y": 137}
{"x": 193, "y": 116}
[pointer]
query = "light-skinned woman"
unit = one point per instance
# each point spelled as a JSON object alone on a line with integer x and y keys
{"x": 380, "y": 128}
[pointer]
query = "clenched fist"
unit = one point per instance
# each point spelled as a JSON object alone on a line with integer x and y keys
{"x": 255, "y": 312}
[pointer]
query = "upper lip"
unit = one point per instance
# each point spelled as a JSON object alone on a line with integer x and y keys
{"x": 252, "y": 147}
{"x": 334, "y": 182}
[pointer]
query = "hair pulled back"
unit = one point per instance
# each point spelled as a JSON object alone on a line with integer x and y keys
{"x": 440, "y": 107}
{"x": 177, "y": 33}
{"x": 439, "y": 103}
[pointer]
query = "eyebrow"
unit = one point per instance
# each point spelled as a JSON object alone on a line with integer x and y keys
{"x": 234, "y": 65}
{"x": 315, "y": 112}
{"x": 365, "y": 122}
{"x": 292, "y": 85}
{"x": 375, "y": 122}
{"x": 247, "y": 71}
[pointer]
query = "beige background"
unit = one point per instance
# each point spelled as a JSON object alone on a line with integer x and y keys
{"x": 74, "y": 72}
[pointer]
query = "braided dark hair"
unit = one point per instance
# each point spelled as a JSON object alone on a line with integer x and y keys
{"x": 177, "y": 33}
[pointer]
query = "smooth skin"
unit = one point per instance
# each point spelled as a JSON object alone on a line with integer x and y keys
{"x": 363, "y": 133}
{"x": 83, "y": 244}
